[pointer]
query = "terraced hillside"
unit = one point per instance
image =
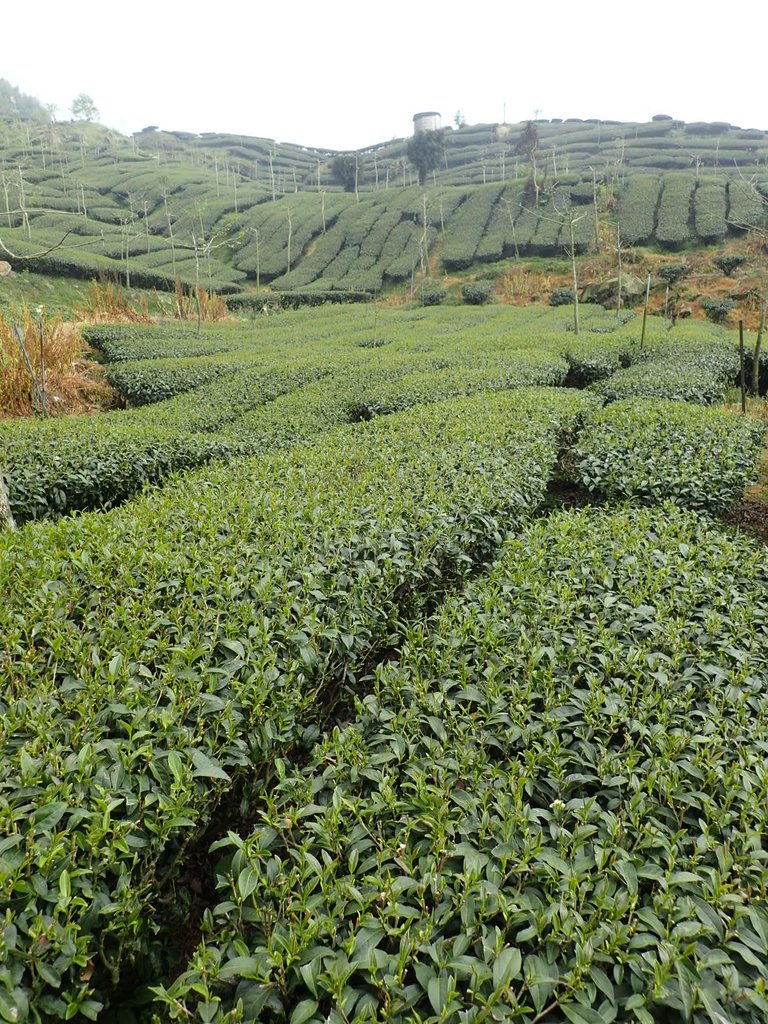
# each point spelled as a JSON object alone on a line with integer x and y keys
{"x": 230, "y": 213}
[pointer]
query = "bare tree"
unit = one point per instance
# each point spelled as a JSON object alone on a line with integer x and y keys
{"x": 528, "y": 145}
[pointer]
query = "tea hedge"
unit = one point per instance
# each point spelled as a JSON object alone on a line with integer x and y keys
{"x": 467, "y": 226}
{"x": 145, "y": 382}
{"x": 59, "y": 466}
{"x": 709, "y": 210}
{"x": 637, "y": 211}
{"x": 699, "y": 372}
{"x": 653, "y": 450}
{"x": 158, "y": 653}
{"x": 746, "y": 205}
{"x": 553, "y": 806}
{"x": 673, "y": 224}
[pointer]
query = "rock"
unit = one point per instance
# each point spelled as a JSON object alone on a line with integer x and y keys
{"x": 606, "y": 292}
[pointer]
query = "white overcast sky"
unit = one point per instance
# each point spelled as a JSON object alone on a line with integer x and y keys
{"x": 345, "y": 74}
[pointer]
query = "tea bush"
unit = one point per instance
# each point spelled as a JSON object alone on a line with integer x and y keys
{"x": 477, "y": 293}
{"x": 709, "y": 209}
{"x": 717, "y": 310}
{"x": 159, "y": 652}
{"x": 651, "y": 451}
{"x": 552, "y": 805}
{"x": 637, "y": 209}
{"x": 699, "y": 372}
{"x": 672, "y": 229}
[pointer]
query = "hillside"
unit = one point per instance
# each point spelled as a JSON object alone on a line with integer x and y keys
{"x": 232, "y": 212}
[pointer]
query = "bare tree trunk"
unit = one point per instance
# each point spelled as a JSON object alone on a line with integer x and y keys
{"x": 512, "y": 228}
{"x": 6, "y": 516}
{"x": 575, "y": 284}
{"x": 758, "y": 346}
{"x": 7, "y": 204}
{"x": 170, "y": 231}
{"x": 594, "y": 203}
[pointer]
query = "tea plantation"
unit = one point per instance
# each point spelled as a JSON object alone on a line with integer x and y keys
{"x": 317, "y": 706}
{"x": 228, "y": 212}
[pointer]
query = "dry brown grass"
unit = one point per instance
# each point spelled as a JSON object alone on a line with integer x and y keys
{"x": 519, "y": 285}
{"x": 195, "y": 303}
{"x": 72, "y": 382}
{"x": 106, "y": 303}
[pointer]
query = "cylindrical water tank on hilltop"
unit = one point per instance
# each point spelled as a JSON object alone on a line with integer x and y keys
{"x": 426, "y": 121}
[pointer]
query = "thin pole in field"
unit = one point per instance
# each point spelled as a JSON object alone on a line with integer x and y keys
{"x": 645, "y": 309}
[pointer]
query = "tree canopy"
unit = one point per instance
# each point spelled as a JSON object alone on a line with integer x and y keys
{"x": 425, "y": 151}
{"x": 17, "y": 104}
{"x": 347, "y": 170}
{"x": 83, "y": 108}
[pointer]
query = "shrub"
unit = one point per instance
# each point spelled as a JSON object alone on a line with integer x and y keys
{"x": 709, "y": 205}
{"x": 476, "y": 293}
{"x": 431, "y": 293}
{"x": 561, "y": 297}
{"x": 672, "y": 272}
{"x": 698, "y": 372}
{"x": 717, "y": 310}
{"x": 746, "y": 206}
{"x": 637, "y": 210}
{"x": 491, "y": 791}
{"x": 673, "y": 229}
{"x": 728, "y": 262}
{"x": 653, "y": 450}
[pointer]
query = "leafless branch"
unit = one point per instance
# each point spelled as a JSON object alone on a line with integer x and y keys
{"x": 37, "y": 255}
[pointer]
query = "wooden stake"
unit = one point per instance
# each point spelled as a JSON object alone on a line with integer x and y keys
{"x": 6, "y": 516}
{"x": 742, "y": 370}
{"x": 645, "y": 310}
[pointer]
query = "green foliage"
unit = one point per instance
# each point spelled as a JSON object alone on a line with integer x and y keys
{"x": 673, "y": 226}
{"x": 467, "y": 226}
{"x": 637, "y": 208}
{"x": 561, "y": 297}
{"x": 672, "y": 272}
{"x": 246, "y": 388}
{"x": 431, "y": 293}
{"x": 94, "y": 465}
{"x": 295, "y": 300}
{"x": 143, "y": 383}
{"x": 347, "y": 170}
{"x": 728, "y": 262}
{"x": 709, "y": 206}
{"x": 163, "y": 653}
{"x": 14, "y": 103}
{"x": 199, "y": 633}
{"x": 425, "y": 151}
{"x": 83, "y": 108}
{"x": 550, "y": 806}
{"x": 717, "y": 310}
{"x": 528, "y": 142}
{"x": 477, "y": 293}
{"x": 169, "y": 204}
{"x": 653, "y": 451}
{"x": 590, "y": 360}
{"x": 692, "y": 372}
{"x": 746, "y": 205}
